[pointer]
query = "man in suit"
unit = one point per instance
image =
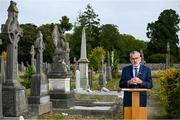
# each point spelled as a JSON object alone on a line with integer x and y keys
{"x": 135, "y": 75}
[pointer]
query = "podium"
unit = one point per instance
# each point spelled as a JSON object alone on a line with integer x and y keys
{"x": 135, "y": 111}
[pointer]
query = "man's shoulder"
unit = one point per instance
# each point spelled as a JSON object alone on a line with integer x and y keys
{"x": 127, "y": 67}
{"x": 144, "y": 66}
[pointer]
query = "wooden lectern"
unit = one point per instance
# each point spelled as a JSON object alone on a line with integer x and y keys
{"x": 135, "y": 111}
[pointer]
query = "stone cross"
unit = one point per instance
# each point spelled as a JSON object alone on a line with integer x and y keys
{"x": 39, "y": 47}
{"x": 14, "y": 32}
{"x": 32, "y": 52}
{"x": 14, "y": 100}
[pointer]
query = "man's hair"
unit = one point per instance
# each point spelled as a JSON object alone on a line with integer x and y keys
{"x": 133, "y": 52}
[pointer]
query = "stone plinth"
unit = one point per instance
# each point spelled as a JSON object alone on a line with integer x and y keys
{"x": 62, "y": 100}
{"x": 83, "y": 67}
{"x": 59, "y": 87}
{"x": 41, "y": 108}
{"x": 39, "y": 101}
{"x": 59, "y": 84}
{"x": 13, "y": 96}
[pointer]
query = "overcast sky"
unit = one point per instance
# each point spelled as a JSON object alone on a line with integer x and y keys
{"x": 131, "y": 16}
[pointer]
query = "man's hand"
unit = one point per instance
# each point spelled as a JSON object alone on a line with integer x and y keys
{"x": 135, "y": 81}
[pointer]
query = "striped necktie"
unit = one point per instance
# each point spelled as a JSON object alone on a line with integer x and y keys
{"x": 136, "y": 71}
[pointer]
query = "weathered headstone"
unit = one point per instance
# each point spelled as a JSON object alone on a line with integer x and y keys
{"x": 102, "y": 80}
{"x": 1, "y": 106}
{"x": 32, "y": 52}
{"x": 39, "y": 99}
{"x": 108, "y": 75}
{"x": 83, "y": 63}
{"x": 142, "y": 57}
{"x": 78, "y": 87}
{"x": 168, "y": 56}
{"x": 14, "y": 100}
{"x": 90, "y": 75}
{"x": 59, "y": 76}
{"x": 22, "y": 66}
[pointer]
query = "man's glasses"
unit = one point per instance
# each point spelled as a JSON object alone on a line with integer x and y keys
{"x": 136, "y": 58}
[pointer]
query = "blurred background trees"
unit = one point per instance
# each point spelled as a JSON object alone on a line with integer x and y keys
{"x": 106, "y": 37}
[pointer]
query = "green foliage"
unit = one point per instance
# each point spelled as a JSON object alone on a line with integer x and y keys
{"x": 157, "y": 58}
{"x": 169, "y": 92}
{"x": 89, "y": 20}
{"x": 26, "y": 77}
{"x": 95, "y": 58}
{"x": 109, "y": 36}
{"x": 47, "y": 38}
{"x": 25, "y": 43}
{"x": 128, "y": 43}
{"x": 88, "y": 17}
{"x": 64, "y": 24}
{"x": 113, "y": 84}
{"x": 162, "y": 31}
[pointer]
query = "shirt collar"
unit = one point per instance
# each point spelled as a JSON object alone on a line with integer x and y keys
{"x": 137, "y": 66}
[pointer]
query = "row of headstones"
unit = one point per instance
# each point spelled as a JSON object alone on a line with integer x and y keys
{"x": 14, "y": 99}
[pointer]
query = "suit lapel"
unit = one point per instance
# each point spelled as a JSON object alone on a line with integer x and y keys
{"x": 131, "y": 69}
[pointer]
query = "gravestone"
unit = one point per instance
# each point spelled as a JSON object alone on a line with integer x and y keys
{"x": 1, "y": 107}
{"x": 168, "y": 56}
{"x": 102, "y": 80}
{"x": 59, "y": 76}
{"x": 83, "y": 63}
{"x": 22, "y": 67}
{"x": 13, "y": 94}
{"x": 90, "y": 76}
{"x": 39, "y": 100}
{"x": 142, "y": 57}
{"x": 108, "y": 75}
{"x": 78, "y": 87}
{"x": 32, "y": 52}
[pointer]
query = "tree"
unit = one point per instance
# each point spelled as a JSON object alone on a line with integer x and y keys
{"x": 109, "y": 36}
{"x": 89, "y": 20}
{"x": 25, "y": 43}
{"x": 129, "y": 43}
{"x": 95, "y": 58}
{"x": 162, "y": 31}
{"x": 48, "y": 40}
{"x": 64, "y": 24}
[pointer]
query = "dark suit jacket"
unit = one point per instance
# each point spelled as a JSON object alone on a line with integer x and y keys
{"x": 144, "y": 75}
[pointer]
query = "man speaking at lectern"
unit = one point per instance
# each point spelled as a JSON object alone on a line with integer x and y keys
{"x": 135, "y": 75}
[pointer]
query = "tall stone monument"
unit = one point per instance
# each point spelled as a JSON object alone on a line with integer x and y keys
{"x": 13, "y": 94}
{"x": 168, "y": 56}
{"x": 102, "y": 80}
{"x": 39, "y": 99}
{"x": 32, "y": 52}
{"x": 59, "y": 76}
{"x": 108, "y": 73}
{"x": 1, "y": 107}
{"x": 83, "y": 63}
{"x": 142, "y": 57}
